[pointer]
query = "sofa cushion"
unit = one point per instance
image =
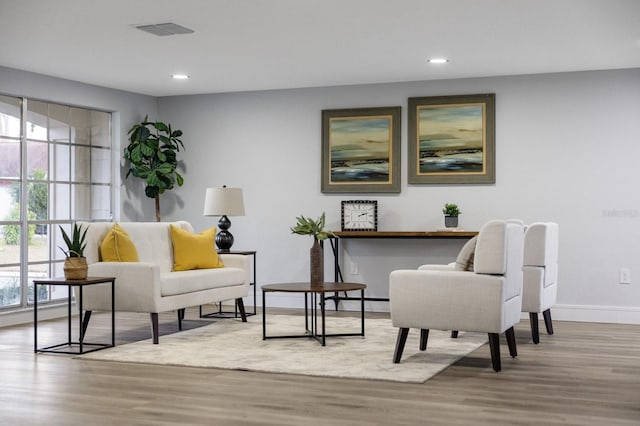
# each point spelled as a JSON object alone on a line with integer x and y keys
{"x": 194, "y": 251}
{"x": 182, "y": 282}
{"x": 117, "y": 246}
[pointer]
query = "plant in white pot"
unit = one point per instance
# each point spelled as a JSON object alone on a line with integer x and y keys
{"x": 75, "y": 264}
{"x": 451, "y": 213}
{"x": 315, "y": 228}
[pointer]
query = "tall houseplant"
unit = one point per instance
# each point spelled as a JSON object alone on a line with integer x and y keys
{"x": 315, "y": 228}
{"x": 152, "y": 156}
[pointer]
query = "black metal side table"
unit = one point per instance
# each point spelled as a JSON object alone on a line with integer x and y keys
{"x": 234, "y": 314}
{"x": 66, "y": 348}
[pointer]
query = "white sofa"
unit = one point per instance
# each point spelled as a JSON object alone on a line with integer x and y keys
{"x": 151, "y": 285}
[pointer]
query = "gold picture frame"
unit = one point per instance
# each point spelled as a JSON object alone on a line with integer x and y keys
{"x": 451, "y": 139}
{"x": 361, "y": 150}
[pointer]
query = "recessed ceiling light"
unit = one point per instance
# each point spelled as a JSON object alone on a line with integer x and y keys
{"x": 438, "y": 60}
{"x": 180, "y": 76}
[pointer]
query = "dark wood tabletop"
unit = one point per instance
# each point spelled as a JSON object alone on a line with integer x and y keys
{"x": 306, "y": 287}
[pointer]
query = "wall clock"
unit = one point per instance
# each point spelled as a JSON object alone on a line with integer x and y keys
{"x": 359, "y": 215}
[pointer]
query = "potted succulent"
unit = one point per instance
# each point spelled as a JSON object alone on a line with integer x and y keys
{"x": 315, "y": 228}
{"x": 451, "y": 213}
{"x": 75, "y": 264}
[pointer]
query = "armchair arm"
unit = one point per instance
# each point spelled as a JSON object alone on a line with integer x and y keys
{"x": 446, "y": 300}
{"x": 448, "y": 267}
{"x": 137, "y": 287}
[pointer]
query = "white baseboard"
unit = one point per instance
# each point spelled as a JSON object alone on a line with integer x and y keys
{"x": 580, "y": 313}
{"x": 25, "y": 316}
{"x": 592, "y": 313}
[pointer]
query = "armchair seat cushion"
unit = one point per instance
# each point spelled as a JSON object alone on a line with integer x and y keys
{"x": 179, "y": 282}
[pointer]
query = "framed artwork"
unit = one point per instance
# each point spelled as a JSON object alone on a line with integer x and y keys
{"x": 361, "y": 150}
{"x": 451, "y": 139}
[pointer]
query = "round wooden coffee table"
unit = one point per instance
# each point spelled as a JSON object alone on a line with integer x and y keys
{"x": 311, "y": 293}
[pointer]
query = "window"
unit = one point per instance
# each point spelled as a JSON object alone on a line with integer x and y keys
{"x": 55, "y": 169}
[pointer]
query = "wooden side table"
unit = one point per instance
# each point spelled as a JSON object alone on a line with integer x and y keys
{"x": 66, "y": 348}
{"x": 311, "y": 315}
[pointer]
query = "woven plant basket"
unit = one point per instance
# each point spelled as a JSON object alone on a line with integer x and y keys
{"x": 75, "y": 268}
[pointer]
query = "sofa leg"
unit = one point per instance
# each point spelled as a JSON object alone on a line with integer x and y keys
{"x": 180, "y": 318}
{"x": 535, "y": 334}
{"x": 400, "y": 341}
{"x": 154, "y": 327}
{"x": 454, "y": 334}
{"x": 511, "y": 342}
{"x": 494, "y": 345}
{"x": 424, "y": 336}
{"x": 547, "y": 321}
{"x": 85, "y": 324}
{"x": 240, "y": 304}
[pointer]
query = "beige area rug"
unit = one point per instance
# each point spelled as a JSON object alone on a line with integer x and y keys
{"x": 231, "y": 344}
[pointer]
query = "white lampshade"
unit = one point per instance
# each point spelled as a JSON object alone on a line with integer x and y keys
{"x": 223, "y": 202}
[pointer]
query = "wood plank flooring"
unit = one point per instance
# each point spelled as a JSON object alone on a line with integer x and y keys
{"x": 585, "y": 374}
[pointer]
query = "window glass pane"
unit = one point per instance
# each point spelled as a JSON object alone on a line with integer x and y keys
{"x": 61, "y": 163}
{"x": 9, "y": 158}
{"x": 10, "y": 244}
{"x": 38, "y": 248}
{"x": 80, "y": 202}
{"x": 100, "y": 165}
{"x": 61, "y": 209}
{"x": 100, "y": 203}
{"x": 43, "y": 290}
{"x": 37, "y": 113}
{"x": 38, "y": 199}
{"x": 10, "y": 114}
{"x": 9, "y": 286}
{"x": 58, "y": 242}
{"x": 37, "y": 158}
{"x": 79, "y": 164}
{"x": 100, "y": 129}
{"x": 80, "y": 126}
{"x": 8, "y": 192}
{"x": 58, "y": 123}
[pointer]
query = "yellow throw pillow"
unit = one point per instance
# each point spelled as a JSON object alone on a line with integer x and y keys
{"x": 117, "y": 246}
{"x": 194, "y": 251}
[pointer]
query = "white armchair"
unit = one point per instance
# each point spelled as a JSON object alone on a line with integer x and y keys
{"x": 487, "y": 299}
{"x": 540, "y": 274}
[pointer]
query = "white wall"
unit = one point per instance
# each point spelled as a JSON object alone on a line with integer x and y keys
{"x": 567, "y": 147}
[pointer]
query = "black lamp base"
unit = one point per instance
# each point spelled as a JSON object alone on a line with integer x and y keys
{"x": 224, "y": 239}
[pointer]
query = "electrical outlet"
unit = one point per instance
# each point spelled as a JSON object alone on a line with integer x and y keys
{"x": 625, "y": 276}
{"x": 354, "y": 268}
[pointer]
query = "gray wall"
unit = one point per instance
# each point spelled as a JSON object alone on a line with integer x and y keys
{"x": 566, "y": 151}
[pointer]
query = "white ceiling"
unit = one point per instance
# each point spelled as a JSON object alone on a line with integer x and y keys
{"x": 241, "y": 45}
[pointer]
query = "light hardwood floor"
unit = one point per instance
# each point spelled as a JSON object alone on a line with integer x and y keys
{"x": 585, "y": 374}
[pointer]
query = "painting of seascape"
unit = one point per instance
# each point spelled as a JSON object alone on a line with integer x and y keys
{"x": 452, "y": 139}
{"x": 360, "y": 150}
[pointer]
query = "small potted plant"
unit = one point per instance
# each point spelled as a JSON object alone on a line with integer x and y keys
{"x": 451, "y": 213}
{"x": 75, "y": 264}
{"x": 315, "y": 228}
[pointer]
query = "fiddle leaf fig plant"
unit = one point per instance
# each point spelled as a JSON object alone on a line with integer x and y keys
{"x": 152, "y": 157}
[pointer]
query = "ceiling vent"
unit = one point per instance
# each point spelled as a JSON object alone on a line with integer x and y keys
{"x": 165, "y": 29}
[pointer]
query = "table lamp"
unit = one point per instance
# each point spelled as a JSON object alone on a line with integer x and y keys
{"x": 224, "y": 202}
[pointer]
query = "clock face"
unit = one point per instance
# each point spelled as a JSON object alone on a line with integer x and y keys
{"x": 359, "y": 215}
